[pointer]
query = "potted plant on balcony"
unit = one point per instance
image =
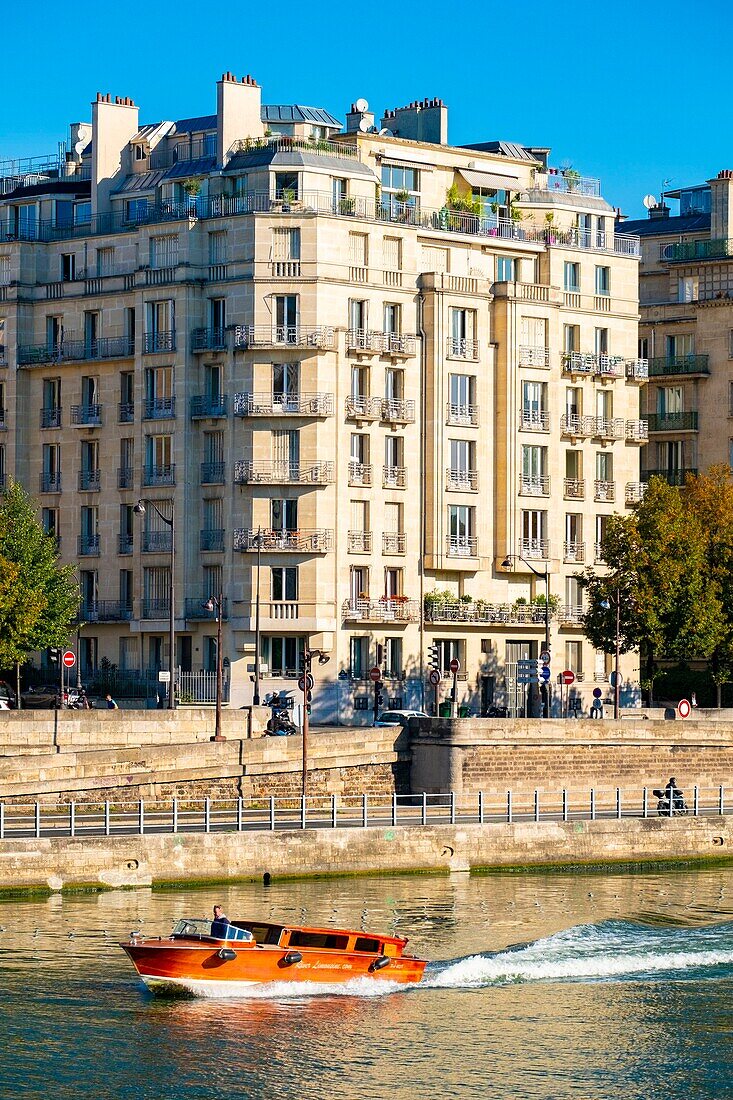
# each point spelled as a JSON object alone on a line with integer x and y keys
{"x": 550, "y": 223}
{"x": 347, "y": 206}
{"x": 572, "y": 178}
{"x": 288, "y": 199}
{"x": 402, "y": 199}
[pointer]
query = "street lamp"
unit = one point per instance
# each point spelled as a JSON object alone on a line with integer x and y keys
{"x": 607, "y": 604}
{"x": 256, "y": 694}
{"x": 507, "y": 564}
{"x": 139, "y": 510}
{"x": 323, "y": 659}
{"x": 216, "y": 603}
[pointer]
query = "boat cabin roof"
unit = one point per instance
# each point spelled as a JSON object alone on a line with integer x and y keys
{"x": 302, "y": 935}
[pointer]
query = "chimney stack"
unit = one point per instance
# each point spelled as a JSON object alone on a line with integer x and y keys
{"x": 238, "y": 113}
{"x": 114, "y": 124}
{"x": 422, "y": 120}
{"x": 721, "y": 205}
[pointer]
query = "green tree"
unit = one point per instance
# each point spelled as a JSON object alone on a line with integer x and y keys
{"x": 39, "y": 598}
{"x": 657, "y": 567}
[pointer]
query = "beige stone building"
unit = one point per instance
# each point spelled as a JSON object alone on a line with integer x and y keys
{"x": 686, "y": 328}
{"x": 388, "y": 389}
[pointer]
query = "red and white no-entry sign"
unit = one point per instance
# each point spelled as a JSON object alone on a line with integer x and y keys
{"x": 375, "y": 674}
{"x": 684, "y": 708}
{"x": 455, "y": 666}
{"x": 568, "y": 676}
{"x": 69, "y": 658}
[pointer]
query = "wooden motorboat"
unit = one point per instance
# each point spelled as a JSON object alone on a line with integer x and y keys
{"x": 212, "y": 956}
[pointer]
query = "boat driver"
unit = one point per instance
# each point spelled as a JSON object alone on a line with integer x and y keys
{"x": 220, "y": 924}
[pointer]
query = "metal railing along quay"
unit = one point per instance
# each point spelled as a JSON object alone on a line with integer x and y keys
{"x": 136, "y": 818}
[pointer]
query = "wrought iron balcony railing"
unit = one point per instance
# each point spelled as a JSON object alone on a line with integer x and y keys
{"x": 280, "y": 404}
{"x": 673, "y": 365}
{"x": 672, "y": 477}
{"x": 212, "y": 473}
{"x": 462, "y": 349}
{"x": 51, "y": 418}
{"x": 105, "y": 611}
{"x": 673, "y": 422}
{"x": 299, "y": 541}
{"x": 573, "y": 550}
{"x": 126, "y": 412}
{"x": 637, "y": 431}
{"x": 125, "y": 543}
{"x": 157, "y": 542}
{"x": 383, "y": 610}
{"x": 398, "y": 411}
{"x": 86, "y": 416}
{"x": 360, "y": 407}
{"x": 534, "y": 485}
{"x": 359, "y": 542}
{"x": 394, "y": 542}
{"x": 90, "y": 481}
{"x": 125, "y": 477}
{"x": 394, "y": 477}
{"x": 283, "y": 473}
{"x": 88, "y": 546}
{"x": 159, "y": 408}
{"x": 574, "y": 488}
{"x": 461, "y": 546}
{"x": 159, "y": 475}
{"x": 68, "y": 351}
{"x": 530, "y": 356}
{"x": 208, "y": 339}
{"x": 464, "y": 480}
{"x": 50, "y": 483}
{"x": 196, "y": 608}
{"x": 459, "y": 415}
{"x": 604, "y": 490}
{"x": 208, "y": 407}
{"x": 279, "y": 336}
{"x": 360, "y": 473}
{"x": 534, "y": 420}
{"x": 211, "y": 539}
{"x": 155, "y": 607}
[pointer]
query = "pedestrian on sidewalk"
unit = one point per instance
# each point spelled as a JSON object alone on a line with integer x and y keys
{"x": 111, "y": 705}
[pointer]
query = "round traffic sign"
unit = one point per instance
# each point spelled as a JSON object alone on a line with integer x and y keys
{"x": 612, "y": 679}
{"x": 302, "y": 682}
{"x": 545, "y": 673}
{"x": 455, "y": 665}
{"x": 684, "y": 708}
{"x": 568, "y": 677}
{"x": 375, "y": 674}
{"x": 597, "y": 693}
{"x": 69, "y": 659}
{"x": 545, "y": 656}
{"x": 434, "y": 676}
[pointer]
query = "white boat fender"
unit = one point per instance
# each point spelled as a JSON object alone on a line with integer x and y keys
{"x": 226, "y": 954}
{"x": 379, "y": 964}
{"x": 291, "y": 958}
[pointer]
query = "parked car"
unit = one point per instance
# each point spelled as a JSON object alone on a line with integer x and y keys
{"x": 398, "y": 717}
{"x": 7, "y": 696}
{"x": 37, "y": 698}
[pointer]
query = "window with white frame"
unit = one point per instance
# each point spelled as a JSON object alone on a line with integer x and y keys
{"x": 359, "y": 658}
{"x": 571, "y": 276}
{"x": 164, "y": 250}
{"x": 603, "y": 281}
{"x": 281, "y": 656}
{"x": 574, "y": 658}
{"x": 393, "y": 658}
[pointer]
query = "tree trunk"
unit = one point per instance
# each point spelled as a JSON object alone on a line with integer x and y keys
{"x": 18, "y": 702}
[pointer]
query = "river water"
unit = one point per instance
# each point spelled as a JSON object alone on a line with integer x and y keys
{"x": 621, "y": 987}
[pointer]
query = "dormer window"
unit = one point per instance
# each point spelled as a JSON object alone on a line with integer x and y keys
{"x": 140, "y": 152}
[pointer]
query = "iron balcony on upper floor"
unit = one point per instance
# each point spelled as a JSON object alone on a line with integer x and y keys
{"x": 387, "y": 609}
{"x": 673, "y": 422}
{"x": 673, "y": 365}
{"x": 209, "y": 406}
{"x": 247, "y": 472}
{"x": 683, "y": 251}
{"x": 480, "y": 612}
{"x": 104, "y": 611}
{"x": 86, "y": 416}
{"x": 69, "y": 351}
{"x": 673, "y": 476}
{"x": 603, "y": 366}
{"x": 321, "y": 337}
{"x": 195, "y": 608}
{"x": 282, "y": 404}
{"x": 380, "y": 343}
{"x": 293, "y": 541}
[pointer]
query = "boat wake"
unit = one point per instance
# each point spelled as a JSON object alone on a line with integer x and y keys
{"x": 613, "y": 950}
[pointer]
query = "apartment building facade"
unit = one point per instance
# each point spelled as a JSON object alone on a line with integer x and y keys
{"x": 387, "y": 389}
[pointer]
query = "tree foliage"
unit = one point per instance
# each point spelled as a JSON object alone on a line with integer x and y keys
{"x": 39, "y": 598}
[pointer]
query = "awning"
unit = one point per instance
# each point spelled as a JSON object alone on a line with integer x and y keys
{"x": 490, "y": 180}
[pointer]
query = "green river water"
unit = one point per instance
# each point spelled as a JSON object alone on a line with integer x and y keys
{"x": 539, "y": 986}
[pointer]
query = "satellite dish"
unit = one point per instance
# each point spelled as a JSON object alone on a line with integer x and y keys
{"x": 361, "y": 105}
{"x": 649, "y": 202}
{"x": 385, "y": 132}
{"x": 364, "y": 125}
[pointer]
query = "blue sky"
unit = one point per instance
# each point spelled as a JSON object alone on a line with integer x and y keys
{"x": 631, "y": 93}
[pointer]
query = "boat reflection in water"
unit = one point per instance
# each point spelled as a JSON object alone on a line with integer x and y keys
{"x": 212, "y": 958}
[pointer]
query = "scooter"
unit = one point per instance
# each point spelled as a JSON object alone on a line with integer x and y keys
{"x": 679, "y": 806}
{"x": 279, "y": 725}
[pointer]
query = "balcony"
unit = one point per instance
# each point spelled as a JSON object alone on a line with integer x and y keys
{"x": 126, "y": 412}
{"x": 573, "y": 551}
{"x": 394, "y": 477}
{"x": 159, "y": 475}
{"x": 3, "y": 418}
{"x": 610, "y": 366}
{"x": 534, "y": 485}
{"x": 574, "y": 488}
{"x": 301, "y": 541}
{"x": 360, "y": 407}
{"x": 69, "y": 351}
{"x": 576, "y": 426}
{"x": 211, "y": 539}
{"x": 125, "y": 477}
{"x": 208, "y": 407}
{"x": 359, "y": 542}
{"x": 610, "y": 429}
{"x": 284, "y": 336}
{"x": 534, "y": 549}
{"x": 51, "y": 418}
{"x": 360, "y": 473}
{"x": 461, "y": 546}
{"x": 481, "y": 612}
{"x": 3, "y": 356}
{"x": 90, "y": 481}
{"x": 393, "y": 542}
{"x": 634, "y": 492}
{"x": 398, "y": 412}
{"x": 195, "y": 609}
{"x": 672, "y": 477}
{"x": 50, "y": 483}
{"x": 159, "y": 408}
{"x": 208, "y": 339}
{"x": 637, "y": 431}
{"x": 461, "y": 416}
{"x": 462, "y": 480}
{"x": 155, "y": 607}
{"x": 571, "y": 615}
{"x": 604, "y": 491}
{"x": 395, "y": 609}
{"x": 534, "y": 420}
{"x": 637, "y": 370}
{"x": 247, "y": 472}
{"x": 598, "y": 558}
{"x": 105, "y": 611}
{"x": 534, "y": 356}
{"x": 462, "y": 349}
{"x": 398, "y": 344}
{"x": 673, "y": 422}
{"x": 156, "y": 342}
{"x": 682, "y": 251}
{"x": 579, "y": 362}
{"x": 212, "y": 473}
{"x": 86, "y": 416}
{"x": 157, "y": 542}
{"x": 125, "y": 544}
{"x": 87, "y": 546}
{"x": 280, "y": 404}
{"x": 673, "y": 365}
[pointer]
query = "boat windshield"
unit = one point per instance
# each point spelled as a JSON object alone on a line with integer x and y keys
{"x": 196, "y": 928}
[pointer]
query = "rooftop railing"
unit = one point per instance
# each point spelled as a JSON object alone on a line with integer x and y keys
{"x": 567, "y": 182}
{"x": 284, "y": 144}
{"x": 719, "y": 249}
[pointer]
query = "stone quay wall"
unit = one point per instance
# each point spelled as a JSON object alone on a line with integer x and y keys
{"x": 157, "y": 859}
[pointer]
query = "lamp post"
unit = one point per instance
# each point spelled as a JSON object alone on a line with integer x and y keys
{"x": 216, "y": 603}
{"x": 256, "y": 693}
{"x": 139, "y": 510}
{"x": 507, "y": 564}
{"x": 607, "y": 604}
{"x": 307, "y": 680}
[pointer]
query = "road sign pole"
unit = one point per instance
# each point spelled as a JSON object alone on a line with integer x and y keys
{"x": 61, "y": 666}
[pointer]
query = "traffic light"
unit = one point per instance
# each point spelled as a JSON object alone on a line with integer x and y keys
{"x": 301, "y": 662}
{"x": 380, "y": 654}
{"x": 54, "y": 655}
{"x": 434, "y": 657}
{"x": 378, "y": 696}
